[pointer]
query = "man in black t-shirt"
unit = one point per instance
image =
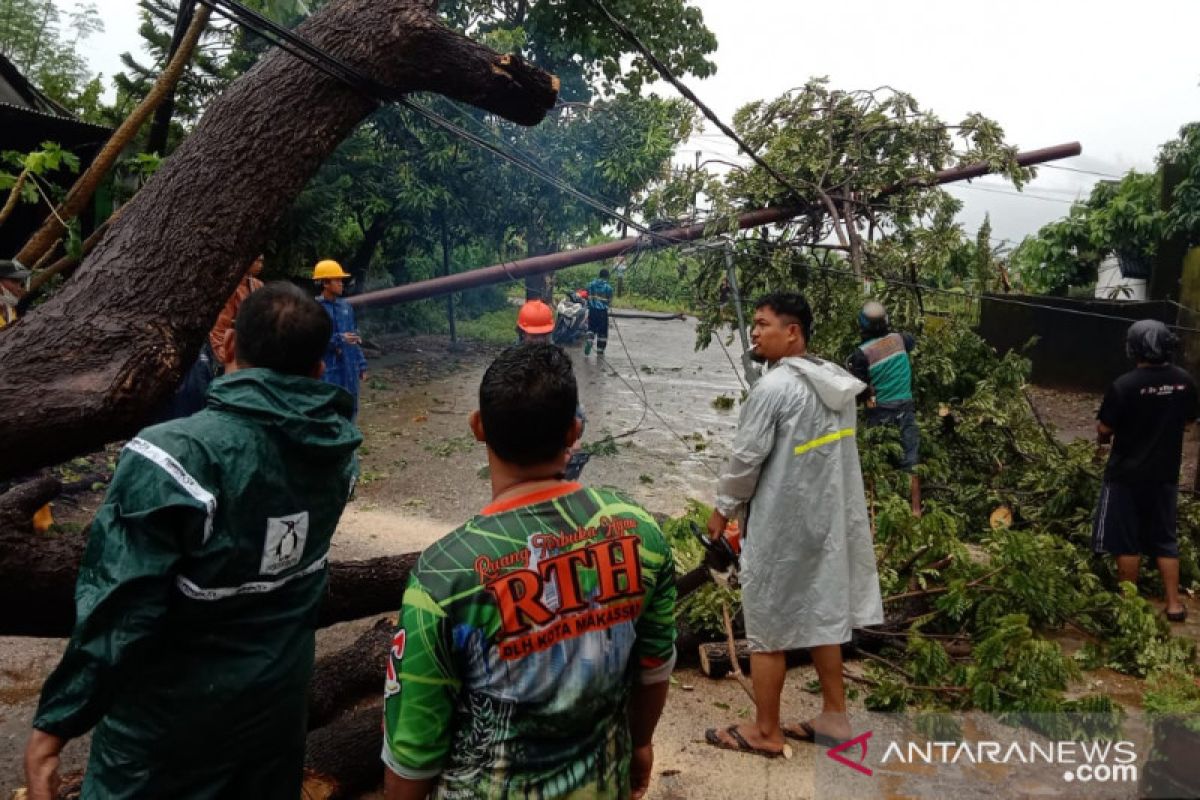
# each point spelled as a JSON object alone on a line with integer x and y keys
{"x": 1143, "y": 414}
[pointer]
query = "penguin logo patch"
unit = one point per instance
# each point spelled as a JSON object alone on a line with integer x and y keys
{"x": 284, "y": 545}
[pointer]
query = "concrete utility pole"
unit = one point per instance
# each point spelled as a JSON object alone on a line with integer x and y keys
{"x": 537, "y": 265}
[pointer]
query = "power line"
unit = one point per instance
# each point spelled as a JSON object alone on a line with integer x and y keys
{"x": 1021, "y": 194}
{"x": 966, "y": 295}
{"x": 377, "y": 93}
{"x": 1083, "y": 171}
{"x": 646, "y": 403}
{"x": 533, "y": 169}
{"x": 668, "y": 76}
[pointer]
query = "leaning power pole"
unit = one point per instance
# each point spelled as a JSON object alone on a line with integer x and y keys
{"x": 537, "y": 265}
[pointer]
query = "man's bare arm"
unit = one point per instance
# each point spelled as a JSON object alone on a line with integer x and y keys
{"x": 646, "y": 705}
{"x": 397, "y": 788}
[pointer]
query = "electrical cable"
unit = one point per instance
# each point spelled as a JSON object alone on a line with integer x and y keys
{"x": 637, "y": 255}
{"x": 376, "y": 92}
{"x": 732, "y": 363}
{"x": 644, "y": 396}
{"x": 668, "y": 76}
{"x": 961, "y": 295}
{"x": 1021, "y": 194}
{"x": 687, "y": 446}
{"x": 1083, "y": 171}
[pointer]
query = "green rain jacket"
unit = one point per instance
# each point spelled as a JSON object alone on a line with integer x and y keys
{"x": 198, "y": 591}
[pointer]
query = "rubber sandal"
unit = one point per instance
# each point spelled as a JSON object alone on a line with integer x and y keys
{"x": 740, "y": 744}
{"x": 1177, "y": 616}
{"x": 809, "y": 734}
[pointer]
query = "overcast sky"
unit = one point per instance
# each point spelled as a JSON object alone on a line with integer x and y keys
{"x": 1119, "y": 77}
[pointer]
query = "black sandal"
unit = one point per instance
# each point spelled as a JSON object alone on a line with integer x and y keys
{"x": 740, "y": 744}
{"x": 810, "y": 735}
{"x": 1177, "y": 616}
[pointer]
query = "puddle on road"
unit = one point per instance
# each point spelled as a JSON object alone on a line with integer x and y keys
{"x": 659, "y": 359}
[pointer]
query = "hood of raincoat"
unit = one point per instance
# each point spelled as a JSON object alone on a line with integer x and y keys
{"x": 308, "y": 412}
{"x": 836, "y": 388}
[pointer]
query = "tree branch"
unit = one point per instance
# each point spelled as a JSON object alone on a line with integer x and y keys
{"x": 83, "y": 189}
{"x": 91, "y": 364}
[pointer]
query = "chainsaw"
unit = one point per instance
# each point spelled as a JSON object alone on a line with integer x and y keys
{"x": 719, "y": 565}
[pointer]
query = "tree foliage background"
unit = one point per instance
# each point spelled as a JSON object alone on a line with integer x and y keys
{"x": 402, "y": 200}
{"x": 1125, "y": 217}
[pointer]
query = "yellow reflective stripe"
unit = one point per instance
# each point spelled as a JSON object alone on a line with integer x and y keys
{"x": 824, "y": 440}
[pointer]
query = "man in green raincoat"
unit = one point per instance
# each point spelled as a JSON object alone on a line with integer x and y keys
{"x": 196, "y": 603}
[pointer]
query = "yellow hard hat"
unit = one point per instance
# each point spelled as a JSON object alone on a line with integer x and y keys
{"x": 324, "y": 270}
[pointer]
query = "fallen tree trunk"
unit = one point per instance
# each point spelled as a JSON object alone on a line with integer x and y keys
{"x": 359, "y": 589}
{"x": 342, "y": 678}
{"x": 90, "y": 364}
{"x": 38, "y": 572}
{"x": 342, "y": 759}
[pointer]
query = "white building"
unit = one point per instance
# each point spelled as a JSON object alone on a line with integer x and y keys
{"x": 1120, "y": 278}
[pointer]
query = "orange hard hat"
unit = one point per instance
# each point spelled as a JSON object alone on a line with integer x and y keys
{"x": 535, "y": 317}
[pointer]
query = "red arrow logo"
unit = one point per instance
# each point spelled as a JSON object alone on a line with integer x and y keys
{"x": 836, "y": 753}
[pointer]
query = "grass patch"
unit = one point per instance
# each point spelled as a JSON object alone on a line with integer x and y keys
{"x": 637, "y": 302}
{"x": 493, "y": 327}
{"x": 445, "y": 448}
{"x": 722, "y": 402}
{"x": 606, "y": 446}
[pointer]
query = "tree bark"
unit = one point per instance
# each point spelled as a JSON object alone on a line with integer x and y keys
{"x": 350, "y": 675}
{"x": 359, "y": 589}
{"x": 89, "y": 365}
{"x": 342, "y": 759}
{"x": 360, "y": 262}
{"x": 38, "y": 572}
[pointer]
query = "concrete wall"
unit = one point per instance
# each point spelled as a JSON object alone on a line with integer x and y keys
{"x": 1073, "y": 350}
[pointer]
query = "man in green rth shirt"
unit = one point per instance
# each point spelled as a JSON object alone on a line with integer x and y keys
{"x": 536, "y": 641}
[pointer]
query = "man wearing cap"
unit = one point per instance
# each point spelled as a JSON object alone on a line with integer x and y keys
{"x": 345, "y": 364}
{"x": 12, "y": 288}
{"x": 882, "y": 362}
{"x": 1143, "y": 415}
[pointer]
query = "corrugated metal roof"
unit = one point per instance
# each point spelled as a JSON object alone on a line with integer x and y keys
{"x": 53, "y": 121}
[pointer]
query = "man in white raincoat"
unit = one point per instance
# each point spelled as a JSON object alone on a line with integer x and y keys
{"x": 808, "y": 564}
